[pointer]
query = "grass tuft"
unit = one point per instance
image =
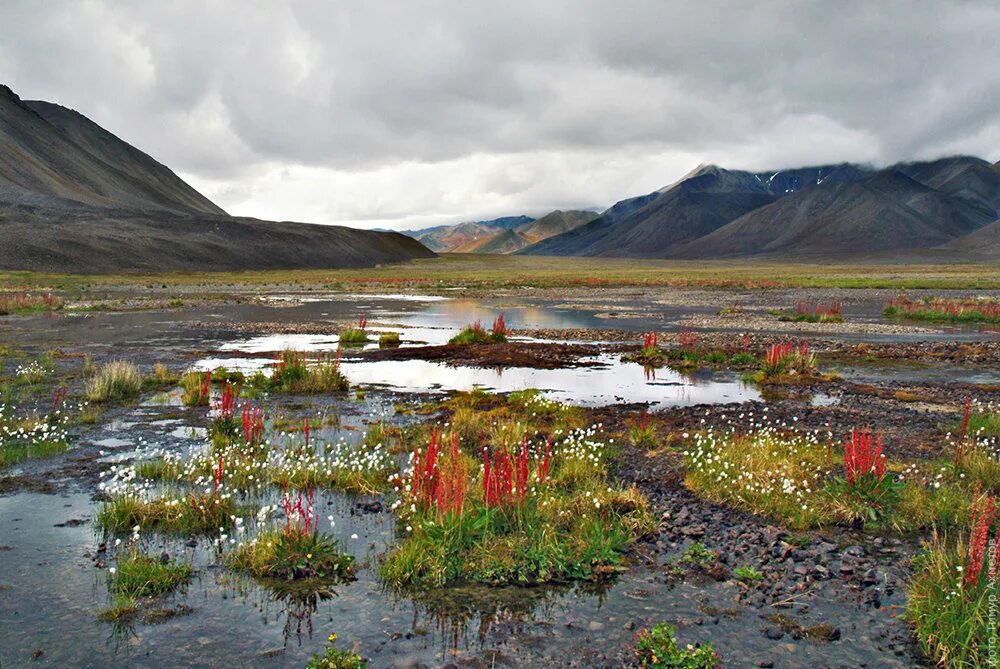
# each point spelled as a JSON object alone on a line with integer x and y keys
{"x": 117, "y": 380}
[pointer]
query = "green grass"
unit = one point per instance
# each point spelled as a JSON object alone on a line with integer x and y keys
{"x": 291, "y": 553}
{"x": 116, "y": 381}
{"x": 951, "y": 622}
{"x": 658, "y": 647}
{"x": 16, "y": 453}
{"x": 284, "y": 463}
{"x": 796, "y": 480}
{"x": 138, "y": 576}
{"x": 160, "y": 379}
{"x": 21, "y": 303}
{"x": 193, "y": 386}
{"x": 474, "y": 272}
{"x": 295, "y": 374}
{"x": 31, "y": 437}
{"x": 574, "y": 524}
{"x": 192, "y": 514}
{"x": 476, "y": 334}
{"x": 388, "y": 340}
{"x": 943, "y": 310}
{"x": 353, "y": 336}
{"x": 557, "y": 538}
{"x": 747, "y": 574}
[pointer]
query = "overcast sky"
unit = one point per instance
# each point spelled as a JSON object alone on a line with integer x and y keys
{"x": 407, "y": 114}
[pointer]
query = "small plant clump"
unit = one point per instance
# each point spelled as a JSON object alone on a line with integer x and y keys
{"x": 137, "y": 576}
{"x": 388, "y": 340}
{"x": 657, "y": 647}
{"x": 294, "y": 374}
{"x": 33, "y": 436}
{"x": 953, "y": 590}
{"x": 161, "y": 377}
{"x": 197, "y": 388}
{"x": 819, "y": 313}
{"x": 477, "y": 334}
{"x": 355, "y": 336}
{"x": 334, "y": 658}
{"x": 642, "y": 434}
{"x": 295, "y": 551}
{"x": 785, "y": 362}
{"x": 130, "y": 506}
{"x": 117, "y": 380}
{"x": 747, "y": 574}
{"x": 942, "y": 310}
{"x": 689, "y": 355}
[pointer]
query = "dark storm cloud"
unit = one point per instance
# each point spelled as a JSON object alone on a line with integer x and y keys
{"x": 429, "y": 111}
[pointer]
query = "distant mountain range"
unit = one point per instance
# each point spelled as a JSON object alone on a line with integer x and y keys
{"x": 949, "y": 207}
{"x": 75, "y": 198}
{"x": 499, "y": 235}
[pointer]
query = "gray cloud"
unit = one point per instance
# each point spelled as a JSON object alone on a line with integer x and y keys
{"x": 409, "y": 113}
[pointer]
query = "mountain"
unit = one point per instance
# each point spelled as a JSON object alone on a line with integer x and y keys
{"x": 510, "y": 241}
{"x": 504, "y": 242}
{"x": 53, "y": 156}
{"x": 888, "y": 211}
{"x": 76, "y": 198}
{"x": 92, "y": 240}
{"x": 829, "y": 210}
{"x": 449, "y": 238}
{"x": 981, "y": 245}
{"x": 706, "y": 199}
{"x": 555, "y": 223}
{"x": 499, "y": 235}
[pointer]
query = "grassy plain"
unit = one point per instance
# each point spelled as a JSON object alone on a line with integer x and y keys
{"x": 485, "y": 271}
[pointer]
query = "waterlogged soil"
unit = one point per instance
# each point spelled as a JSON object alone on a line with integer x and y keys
{"x": 827, "y": 599}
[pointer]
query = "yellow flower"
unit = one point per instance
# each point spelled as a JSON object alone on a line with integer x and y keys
{"x": 333, "y": 637}
{"x": 309, "y": 556}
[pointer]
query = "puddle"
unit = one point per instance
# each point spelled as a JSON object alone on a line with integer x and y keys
{"x": 824, "y": 400}
{"x": 609, "y": 383}
{"x": 53, "y": 591}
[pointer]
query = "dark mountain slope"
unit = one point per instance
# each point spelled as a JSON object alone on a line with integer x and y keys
{"x": 981, "y": 245}
{"x": 964, "y": 176}
{"x": 90, "y": 240}
{"x": 885, "y": 212}
{"x": 703, "y": 201}
{"x": 52, "y": 156}
{"x": 157, "y": 182}
{"x": 75, "y": 198}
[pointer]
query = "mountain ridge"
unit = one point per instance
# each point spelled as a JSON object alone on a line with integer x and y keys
{"x": 76, "y": 198}
{"x": 826, "y": 210}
